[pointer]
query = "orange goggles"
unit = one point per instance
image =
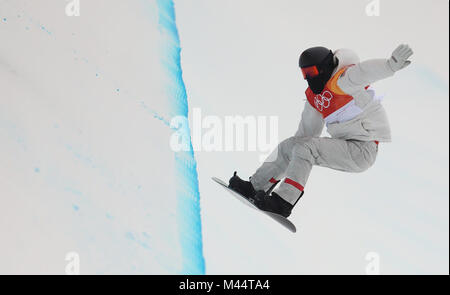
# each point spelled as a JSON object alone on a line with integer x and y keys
{"x": 310, "y": 72}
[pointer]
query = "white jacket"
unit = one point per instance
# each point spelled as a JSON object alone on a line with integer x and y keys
{"x": 366, "y": 119}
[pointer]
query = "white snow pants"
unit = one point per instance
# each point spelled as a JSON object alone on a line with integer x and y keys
{"x": 294, "y": 157}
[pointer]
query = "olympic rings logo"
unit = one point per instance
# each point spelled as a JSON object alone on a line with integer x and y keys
{"x": 323, "y": 101}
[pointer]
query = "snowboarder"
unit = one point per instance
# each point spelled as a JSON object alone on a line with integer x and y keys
{"x": 339, "y": 96}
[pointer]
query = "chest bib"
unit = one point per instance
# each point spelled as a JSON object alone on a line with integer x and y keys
{"x": 333, "y": 104}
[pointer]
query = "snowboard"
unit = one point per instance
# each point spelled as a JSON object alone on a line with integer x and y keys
{"x": 278, "y": 218}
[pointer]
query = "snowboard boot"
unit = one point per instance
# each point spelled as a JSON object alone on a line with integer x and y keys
{"x": 273, "y": 203}
{"x": 241, "y": 186}
{"x": 274, "y": 185}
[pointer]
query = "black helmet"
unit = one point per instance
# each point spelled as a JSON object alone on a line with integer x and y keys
{"x": 317, "y": 64}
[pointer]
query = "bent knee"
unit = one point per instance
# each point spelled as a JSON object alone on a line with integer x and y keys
{"x": 362, "y": 167}
{"x": 365, "y": 164}
{"x": 365, "y": 157}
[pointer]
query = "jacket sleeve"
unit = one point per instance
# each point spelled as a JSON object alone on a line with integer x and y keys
{"x": 311, "y": 123}
{"x": 364, "y": 73}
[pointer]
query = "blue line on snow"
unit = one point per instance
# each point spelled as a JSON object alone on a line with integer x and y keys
{"x": 188, "y": 195}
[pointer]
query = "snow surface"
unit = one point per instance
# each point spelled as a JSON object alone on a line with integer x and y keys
{"x": 84, "y": 129}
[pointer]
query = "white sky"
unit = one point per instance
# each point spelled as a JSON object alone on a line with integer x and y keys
{"x": 240, "y": 58}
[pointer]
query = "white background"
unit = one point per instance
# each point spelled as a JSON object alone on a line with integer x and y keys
{"x": 240, "y": 58}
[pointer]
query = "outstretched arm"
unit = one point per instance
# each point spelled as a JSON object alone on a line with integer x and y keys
{"x": 370, "y": 71}
{"x": 311, "y": 124}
